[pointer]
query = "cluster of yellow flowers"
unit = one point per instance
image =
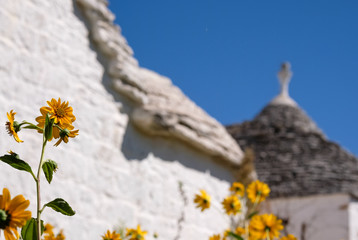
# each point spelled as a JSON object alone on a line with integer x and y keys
{"x": 56, "y": 121}
{"x": 59, "y": 112}
{"x": 131, "y": 234}
{"x": 254, "y": 227}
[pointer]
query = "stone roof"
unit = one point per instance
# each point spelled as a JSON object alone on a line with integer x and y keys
{"x": 293, "y": 156}
{"x": 158, "y": 107}
{"x": 291, "y": 153}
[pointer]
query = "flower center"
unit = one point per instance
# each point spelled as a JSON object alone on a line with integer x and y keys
{"x": 8, "y": 128}
{"x": 4, "y": 219}
{"x": 60, "y": 112}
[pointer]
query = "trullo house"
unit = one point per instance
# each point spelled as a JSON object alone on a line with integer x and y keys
{"x": 313, "y": 180}
{"x": 143, "y": 150}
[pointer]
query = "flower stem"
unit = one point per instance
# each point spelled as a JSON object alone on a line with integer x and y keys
{"x": 268, "y": 235}
{"x": 246, "y": 230}
{"x": 39, "y": 210}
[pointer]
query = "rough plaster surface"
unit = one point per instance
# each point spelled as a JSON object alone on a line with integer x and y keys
{"x": 314, "y": 217}
{"x": 160, "y": 108}
{"x": 111, "y": 174}
{"x": 353, "y": 220}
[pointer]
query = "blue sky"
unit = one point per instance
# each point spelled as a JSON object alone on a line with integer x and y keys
{"x": 225, "y": 55}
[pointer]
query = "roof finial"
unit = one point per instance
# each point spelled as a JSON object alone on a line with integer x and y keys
{"x": 284, "y": 76}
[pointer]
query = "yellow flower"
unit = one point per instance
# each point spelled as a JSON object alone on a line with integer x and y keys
{"x": 49, "y": 235}
{"x": 238, "y": 189}
{"x": 265, "y": 225}
{"x": 257, "y": 191}
{"x": 136, "y": 234}
{"x": 60, "y": 235}
{"x": 60, "y": 112}
{"x": 111, "y": 236}
{"x": 63, "y": 118}
{"x": 65, "y": 134}
{"x": 13, "y": 214}
{"x": 289, "y": 237}
{"x": 48, "y": 229}
{"x": 231, "y": 205}
{"x": 226, "y": 233}
{"x": 202, "y": 200}
{"x": 215, "y": 237}
{"x": 12, "y": 126}
{"x": 240, "y": 231}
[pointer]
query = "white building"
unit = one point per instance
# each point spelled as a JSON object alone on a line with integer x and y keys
{"x": 313, "y": 181}
{"x": 143, "y": 150}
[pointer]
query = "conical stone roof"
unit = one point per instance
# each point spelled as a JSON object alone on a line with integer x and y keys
{"x": 292, "y": 154}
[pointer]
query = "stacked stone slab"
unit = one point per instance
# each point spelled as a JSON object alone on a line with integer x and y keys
{"x": 292, "y": 154}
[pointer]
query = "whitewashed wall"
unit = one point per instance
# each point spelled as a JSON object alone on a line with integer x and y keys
{"x": 111, "y": 173}
{"x": 353, "y": 220}
{"x": 314, "y": 217}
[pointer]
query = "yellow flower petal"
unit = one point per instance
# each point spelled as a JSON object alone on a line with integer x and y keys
{"x": 257, "y": 191}
{"x": 16, "y": 216}
{"x": 202, "y": 200}
{"x": 232, "y": 205}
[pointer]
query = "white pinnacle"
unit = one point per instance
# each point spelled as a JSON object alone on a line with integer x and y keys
{"x": 284, "y": 76}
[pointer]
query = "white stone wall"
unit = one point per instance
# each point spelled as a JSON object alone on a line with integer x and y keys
{"x": 353, "y": 220}
{"x": 111, "y": 174}
{"x": 314, "y": 217}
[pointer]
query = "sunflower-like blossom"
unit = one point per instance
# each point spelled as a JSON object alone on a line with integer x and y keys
{"x": 12, "y": 126}
{"x": 215, "y": 237}
{"x": 62, "y": 115}
{"x": 65, "y": 134}
{"x": 111, "y": 236}
{"x": 232, "y": 205}
{"x": 49, "y": 234}
{"x": 257, "y": 191}
{"x": 240, "y": 231}
{"x": 13, "y": 214}
{"x": 264, "y": 226}
{"x": 238, "y": 189}
{"x": 202, "y": 200}
{"x": 136, "y": 234}
{"x": 289, "y": 237}
{"x": 61, "y": 112}
{"x": 48, "y": 229}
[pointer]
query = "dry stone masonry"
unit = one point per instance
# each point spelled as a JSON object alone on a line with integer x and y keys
{"x": 293, "y": 156}
{"x": 313, "y": 181}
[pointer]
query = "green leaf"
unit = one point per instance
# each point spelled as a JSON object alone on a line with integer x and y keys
{"x": 60, "y": 205}
{"x": 29, "y": 231}
{"x": 252, "y": 214}
{"x": 48, "y": 127}
{"x": 14, "y": 161}
{"x": 49, "y": 167}
{"x": 235, "y": 236}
